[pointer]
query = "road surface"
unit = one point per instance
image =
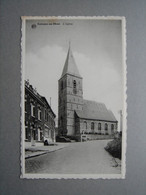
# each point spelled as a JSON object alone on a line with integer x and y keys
{"x": 77, "y": 158}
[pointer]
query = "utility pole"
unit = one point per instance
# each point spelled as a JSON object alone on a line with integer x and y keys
{"x": 121, "y": 121}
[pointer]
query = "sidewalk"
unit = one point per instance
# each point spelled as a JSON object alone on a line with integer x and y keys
{"x": 34, "y": 151}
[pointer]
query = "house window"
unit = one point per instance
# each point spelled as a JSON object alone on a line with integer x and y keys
{"x": 26, "y": 133}
{"x": 39, "y": 134}
{"x": 106, "y": 126}
{"x": 99, "y": 126}
{"x": 32, "y": 109}
{"x": 39, "y": 114}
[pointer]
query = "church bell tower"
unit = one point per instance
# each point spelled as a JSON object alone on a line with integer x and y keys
{"x": 70, "y": 96}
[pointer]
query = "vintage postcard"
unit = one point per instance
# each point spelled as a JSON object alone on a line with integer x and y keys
{"x": 73, "y": 92}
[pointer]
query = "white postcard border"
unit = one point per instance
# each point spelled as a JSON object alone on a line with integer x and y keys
{"x": 124, "y": 133}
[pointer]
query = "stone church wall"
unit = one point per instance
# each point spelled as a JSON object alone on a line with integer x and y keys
{"x": 85, "y": 127}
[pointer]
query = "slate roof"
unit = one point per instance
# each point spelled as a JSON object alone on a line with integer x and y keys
{"x": 96, "y": 111}
{"x": 70, "y": 66}
{"x": 44, "y": 99}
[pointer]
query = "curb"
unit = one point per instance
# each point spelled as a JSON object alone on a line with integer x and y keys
{"x": 42, "y": 153}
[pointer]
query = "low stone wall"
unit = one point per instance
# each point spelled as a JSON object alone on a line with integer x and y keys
{"x": 86, "y": 137}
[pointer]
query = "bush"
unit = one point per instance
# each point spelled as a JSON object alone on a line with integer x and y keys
{"x": 115, "y": 147}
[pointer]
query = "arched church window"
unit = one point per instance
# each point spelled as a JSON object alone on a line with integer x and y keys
{"x": 85, "y": 125}
{"x": 112, "y": 128}
{"x": 92, "y": 126}
{"x": 99, "y": 126}
{"x": 106, "y": 126}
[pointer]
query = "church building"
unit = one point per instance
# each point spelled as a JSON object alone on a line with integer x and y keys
{"x": 78, "y": 117}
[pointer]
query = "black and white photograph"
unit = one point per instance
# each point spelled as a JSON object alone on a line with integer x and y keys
{"x": 73, "y": 97}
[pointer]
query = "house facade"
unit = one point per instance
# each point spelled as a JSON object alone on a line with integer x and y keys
{"x": 39, "y": 118}
{"x": 76, "y": 116}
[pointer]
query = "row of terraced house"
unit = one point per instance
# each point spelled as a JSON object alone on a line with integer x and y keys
{"x": 39, "y": 118}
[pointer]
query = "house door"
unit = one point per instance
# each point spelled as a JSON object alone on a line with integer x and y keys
{"x": 33, "y": 138}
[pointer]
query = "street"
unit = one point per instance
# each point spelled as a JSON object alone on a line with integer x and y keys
{"x": 77, "y": 158}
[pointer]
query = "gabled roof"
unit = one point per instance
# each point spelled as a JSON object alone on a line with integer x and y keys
{"x": 70, "y": 66}
{"x": 96, "y": 111}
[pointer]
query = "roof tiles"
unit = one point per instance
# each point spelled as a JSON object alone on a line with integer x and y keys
{"x": 96, "y": 111}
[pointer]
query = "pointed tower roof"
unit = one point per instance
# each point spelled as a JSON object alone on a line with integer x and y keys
{"x": 70, "y": 66}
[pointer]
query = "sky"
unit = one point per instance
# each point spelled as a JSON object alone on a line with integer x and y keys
{"x": 97, "y": 50}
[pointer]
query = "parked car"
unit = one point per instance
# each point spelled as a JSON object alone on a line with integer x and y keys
{"x": 46, "y": 143}
{"x": 62, "y": 139}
